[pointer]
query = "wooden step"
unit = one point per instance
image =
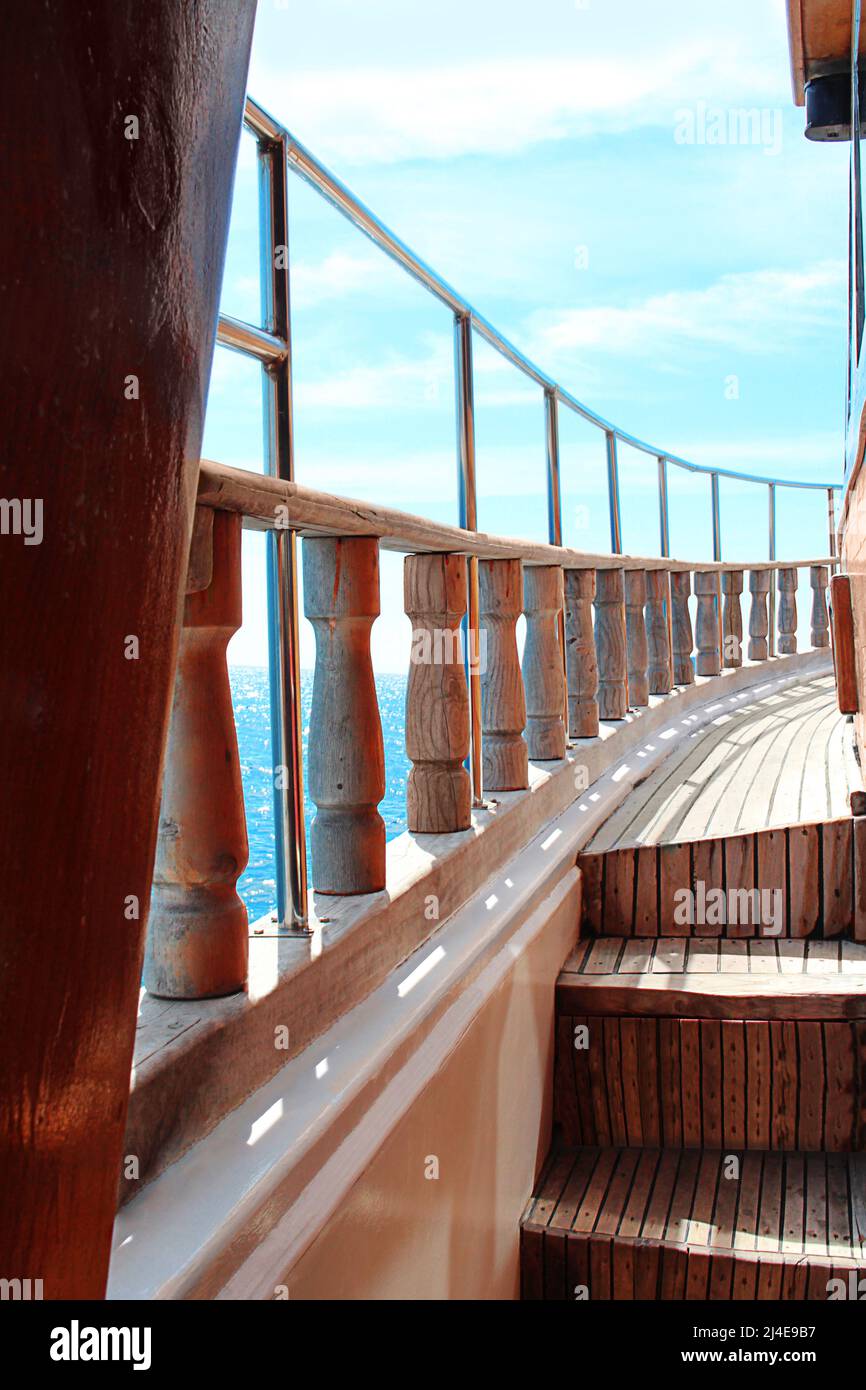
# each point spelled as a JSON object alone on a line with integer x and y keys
{"x": 691, "y": 977}
{"x": 763, "y": 1084}
{"x": 630, "y": 1223}
{"x": 812, "y": 878}
{"x": 659, "y": 1043}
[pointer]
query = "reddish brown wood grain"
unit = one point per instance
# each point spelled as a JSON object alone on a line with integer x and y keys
{"x": 807, "y": 876}
{"x": 112, "y": 254}
{"x": 844, "y": 655}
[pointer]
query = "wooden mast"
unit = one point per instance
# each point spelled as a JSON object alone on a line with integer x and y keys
{"x": 117, "y": 194}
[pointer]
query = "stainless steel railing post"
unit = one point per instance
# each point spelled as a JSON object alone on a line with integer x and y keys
{"x": 664, "y": 524}
{"x": 554, "y": 517}
{"x": 554, "y": 492}
{"x": 771, "y": 635}
{"x": 465, "y": 403}
{"x": 831, "y": 526}
{"x": 284, "y": 653}
{"x": 613, "y": 494}
{"x": 717, "y": 517}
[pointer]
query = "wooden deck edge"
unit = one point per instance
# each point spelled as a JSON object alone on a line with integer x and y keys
{"x": 693, "y": 996}
{"x": 635, "y": 1243}
{"x": 818, "y": 870}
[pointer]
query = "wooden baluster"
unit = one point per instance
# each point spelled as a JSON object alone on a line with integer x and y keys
{"x": 438, "y": 793}
{"x": 820, "y": 618}
{"x": 636, "y": 639}
{"x": 346, "y": 755}
{"x": 610, "y": 644}
{"x": 707, "y": 623}
{"x": 787, "y": 612}
{"x": 659, "y": 673}
{"x": 581, "y": 664}
{"x": 505, "y": 758}
{"x": 681, "y": 625}
{"x": 732, "y": 619}
{"x": 759, "y": 623}
{"x": 542, "y": 663}
{"x": 198, "y": 933}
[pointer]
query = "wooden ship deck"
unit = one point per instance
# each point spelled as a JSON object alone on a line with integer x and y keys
{"x": 768, "y": 758}
{"x": 594, "y": 1025}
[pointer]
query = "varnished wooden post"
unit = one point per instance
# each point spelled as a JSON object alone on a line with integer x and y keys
{"x": 197, "y": 934}
{"x": 438, "y": 792}
{"x": 732, "y": 619}
{"x": 636, "y": 637}
{"x": 707, "y": 623}
{"x": 542, "y": 663}
{"x": 759, "y": 623}
{"x": 108, "y": 363}
{"x": 346, "y": 758}
{"x": 581, "y": 664}
{"x": 787, "y": 617}
{"x": 610, "y": 644}
{"x": 505, "y": 759}
{"x": 659, "y": 673}
{"x": 820, "y": 618}
{"x": 844, "y": 644}
{"x": 681, "y": 624}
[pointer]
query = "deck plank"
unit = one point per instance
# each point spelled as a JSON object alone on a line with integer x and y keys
{"x": 805, "y": 980}
{"x": 781, "y": 758}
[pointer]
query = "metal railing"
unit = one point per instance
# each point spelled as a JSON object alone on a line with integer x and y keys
{"x": 270, "y": 345}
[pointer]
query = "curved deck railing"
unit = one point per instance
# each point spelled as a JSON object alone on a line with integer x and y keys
{"x": 469, "y": 701}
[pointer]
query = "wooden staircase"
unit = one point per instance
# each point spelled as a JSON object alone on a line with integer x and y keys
{"x": 710, "y": 1097}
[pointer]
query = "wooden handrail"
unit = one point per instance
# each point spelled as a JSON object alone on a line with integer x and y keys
{"x": 270, "y": 504}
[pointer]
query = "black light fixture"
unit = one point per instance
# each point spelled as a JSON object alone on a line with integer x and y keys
{"x": 828, "y": 107}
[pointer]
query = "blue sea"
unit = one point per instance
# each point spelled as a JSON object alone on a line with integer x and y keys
{"x": 250, "y": 696}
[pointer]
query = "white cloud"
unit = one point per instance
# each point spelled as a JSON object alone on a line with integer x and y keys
{"x": 401, "y": 382}
{"x": 337, "y": 276}
{"x": 764, "y": 311}
{"x": 379, "y": 114}
{"x": 805, "y": 456}
{"x": 398, "y": 381}
{"x": 752, "y": 311}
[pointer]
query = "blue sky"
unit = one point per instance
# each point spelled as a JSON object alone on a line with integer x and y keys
{"x": 554, "y": 162}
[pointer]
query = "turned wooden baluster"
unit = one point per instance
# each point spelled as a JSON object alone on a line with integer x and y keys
{"x": 581, "y": 665}
{"x": 636, "y": 638}
{"x": 438, "y": 793}
{"x": 820, "y": 617}
{"x": 197, "y": 933}
{"x": 681, "y": 625}
{"x": 346, "y": 755}
{"x": 659, "y": 673}
{"x": 759, "y": 623}
{"x": 610, "y": 644}
{"x": 787, "y": 618}
{"x": 732, "y": 619}
{"x": 707, "y": 623}
{"x": 504, "y": 762}
{"x": 542, "y": 663}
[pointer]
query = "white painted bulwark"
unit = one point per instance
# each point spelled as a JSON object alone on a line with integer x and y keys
{"x": 279, "y": 1198}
